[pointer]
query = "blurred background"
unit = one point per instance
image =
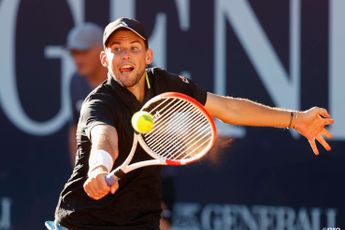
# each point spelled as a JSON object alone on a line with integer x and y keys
{"x": 287, "y": 53}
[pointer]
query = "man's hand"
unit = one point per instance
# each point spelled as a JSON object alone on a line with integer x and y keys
{"x": 96, "y": 187}
{"x": 311, "y": 124}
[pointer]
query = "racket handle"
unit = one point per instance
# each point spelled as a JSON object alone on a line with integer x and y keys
{"x": 114, "y": 176}
{"x": 110, "y": 179}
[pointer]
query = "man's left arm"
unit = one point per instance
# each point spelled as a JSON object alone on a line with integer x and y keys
{"x": 237, "y": 111}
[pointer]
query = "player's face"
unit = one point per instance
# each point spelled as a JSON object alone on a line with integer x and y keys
{"x": 126, "y": 58}
{"x": 87, "y": 61}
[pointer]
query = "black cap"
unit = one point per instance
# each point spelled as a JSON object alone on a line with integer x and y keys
{"x": 124, "y": 23}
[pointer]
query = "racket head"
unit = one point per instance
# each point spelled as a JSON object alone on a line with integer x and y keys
{"x": 183, "y": 130}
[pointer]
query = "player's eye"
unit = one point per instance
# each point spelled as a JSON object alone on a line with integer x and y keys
{"x": 135, "y": 49}
{"x": 116, "y": 50}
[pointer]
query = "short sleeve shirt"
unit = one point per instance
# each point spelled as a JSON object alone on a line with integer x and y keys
{"x": 136, "y": 204}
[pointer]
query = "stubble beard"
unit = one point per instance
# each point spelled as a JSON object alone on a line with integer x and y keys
{"x": 128, "y": 83}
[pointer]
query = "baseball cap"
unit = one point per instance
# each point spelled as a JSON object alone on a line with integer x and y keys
{"x": 124, "y": 23}
{"x": 84, "y": 36}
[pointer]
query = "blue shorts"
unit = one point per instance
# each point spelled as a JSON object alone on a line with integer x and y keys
{"x": 52, "y": 225}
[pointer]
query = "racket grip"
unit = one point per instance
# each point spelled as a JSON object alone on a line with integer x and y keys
{"x": 114, "y": 176}
{"x": 110, "y": 179}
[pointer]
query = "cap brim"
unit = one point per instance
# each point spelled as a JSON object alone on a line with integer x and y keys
{"x": 122, "y": 27}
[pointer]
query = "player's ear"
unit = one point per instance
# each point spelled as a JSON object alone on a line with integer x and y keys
{"x": 149, "y": 56}
{"x": 104, "y": 60}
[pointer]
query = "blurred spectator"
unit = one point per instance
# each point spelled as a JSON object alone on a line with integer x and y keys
{"x": 85, "y": 44}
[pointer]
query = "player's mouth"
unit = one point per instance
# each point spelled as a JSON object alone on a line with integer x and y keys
{"x": 127, "y": 68}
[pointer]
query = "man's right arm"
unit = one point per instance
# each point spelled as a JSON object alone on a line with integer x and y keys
{"x": 104, "y": 141}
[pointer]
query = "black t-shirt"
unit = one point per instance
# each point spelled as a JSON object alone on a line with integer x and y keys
{"x": 136, "y": 204}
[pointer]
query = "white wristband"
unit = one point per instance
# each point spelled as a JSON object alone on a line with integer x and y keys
{"x": 100, "y": 158}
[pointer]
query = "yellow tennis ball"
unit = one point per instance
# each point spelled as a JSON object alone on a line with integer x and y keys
{"x": 142, "y": 122}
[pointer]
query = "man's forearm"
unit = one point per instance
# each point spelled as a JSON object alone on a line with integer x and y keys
{"x": 244, "y": 112}
{"x": 250, "y": 113}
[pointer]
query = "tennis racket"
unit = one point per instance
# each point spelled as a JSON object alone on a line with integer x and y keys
{"x": 183, "y": 132}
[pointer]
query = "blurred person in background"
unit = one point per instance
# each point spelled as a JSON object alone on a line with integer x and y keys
{"x": 84, "y": 42}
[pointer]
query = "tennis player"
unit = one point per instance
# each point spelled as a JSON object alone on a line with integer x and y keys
{"x": 104, "y": 135}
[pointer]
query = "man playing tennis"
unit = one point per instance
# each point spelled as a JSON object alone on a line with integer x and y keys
{"x": 104, "y": 135}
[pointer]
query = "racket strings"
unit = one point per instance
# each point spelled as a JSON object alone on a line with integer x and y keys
{"x": 161, "y": 128}
{"x": 180, "y": 132}
{"x": 174, "y": 144}
{"x": 188, "y": 150}
{"x": 194, "y": 146}
{"x": 183, "y": 147}
{"x": 167, "y": 118}
{"x": 166, "y": 114}
{"x": 195, "y": 129}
